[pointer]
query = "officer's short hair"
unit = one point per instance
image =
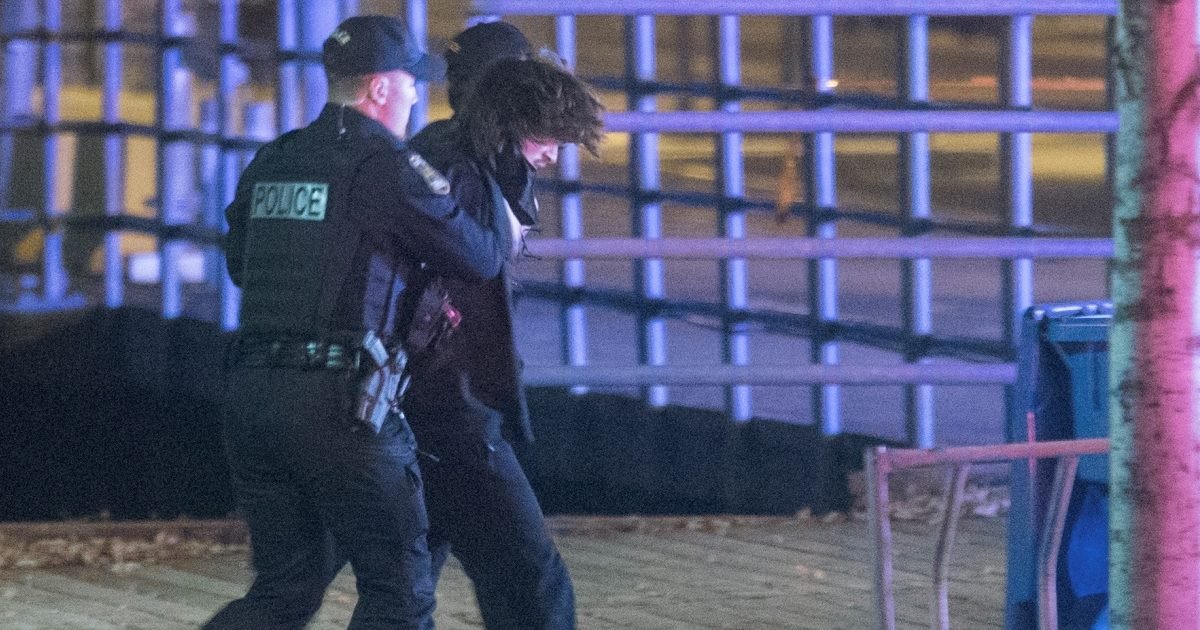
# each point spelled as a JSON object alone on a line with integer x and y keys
{"x": 533, "y": 98}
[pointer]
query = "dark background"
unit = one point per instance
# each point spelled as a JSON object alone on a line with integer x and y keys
{"x": 115, "y": 414}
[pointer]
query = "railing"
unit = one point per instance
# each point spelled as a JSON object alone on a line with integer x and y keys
{"x": 781, "y": 248}
{"x": 881, "y": 462}
{"x": 199, "y": 156}
{"x": 913, "y": 115}
{"x": 202, "y": 131}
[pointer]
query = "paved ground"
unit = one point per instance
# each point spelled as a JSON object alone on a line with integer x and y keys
{"x": 629, "y": 572}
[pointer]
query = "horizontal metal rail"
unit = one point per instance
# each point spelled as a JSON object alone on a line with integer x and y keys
{"x": 897, "y": 374}
{"x": 857, "y": 121}
{"x": 882, "y": 217}
{"x": 864, "y": 121}
{"x": 771, "y": 320}
{"x": 119, "y": 36}
{"x": 90, "y": 128}
{"x": 881, "y": 461}
{"x": 796, "y": 7}
{"x": 804, "y": 97}
{"x": 802, "y": 248}
{"x": 121, "y": 222}
{"x": 893, "y": 459}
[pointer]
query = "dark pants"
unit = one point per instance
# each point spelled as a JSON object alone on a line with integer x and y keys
{"x": 482, "y": 509}
{"x": 310, "y": 488}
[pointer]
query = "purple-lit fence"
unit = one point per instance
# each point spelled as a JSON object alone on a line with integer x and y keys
{"x": 182, "y": 132}
{"x": 208, "y": 115}
{"x": 911, "y": 116}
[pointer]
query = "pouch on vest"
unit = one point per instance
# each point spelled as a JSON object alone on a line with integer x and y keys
{"x": 433, "y": 319}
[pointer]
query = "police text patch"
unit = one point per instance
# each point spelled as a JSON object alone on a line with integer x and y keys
{"x": 289, "y": 200}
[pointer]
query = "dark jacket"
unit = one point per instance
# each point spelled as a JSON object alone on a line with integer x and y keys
{"x": 384, "y": 213}
{"x": 478, "y": 364}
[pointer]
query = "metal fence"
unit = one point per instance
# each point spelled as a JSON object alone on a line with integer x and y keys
{"x": 912, "y": 114}
{"x": 206, "y": 112}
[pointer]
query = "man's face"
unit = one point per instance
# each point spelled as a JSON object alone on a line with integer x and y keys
{"x": 539, "y": 153}
{"x": 401, "y": 95}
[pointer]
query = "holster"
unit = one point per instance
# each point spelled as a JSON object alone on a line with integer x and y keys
{"x": 385, "y": 377}
{"x": 382, "y": 383}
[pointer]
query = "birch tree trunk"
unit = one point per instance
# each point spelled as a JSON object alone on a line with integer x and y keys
{"x": 1155, "y": 513}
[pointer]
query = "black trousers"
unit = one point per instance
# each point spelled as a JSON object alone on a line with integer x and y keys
{"x": 483, "y": 510}
{"x": 313, "y": 491}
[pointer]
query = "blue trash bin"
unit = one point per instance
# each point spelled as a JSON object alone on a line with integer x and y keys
{"x": 1062, "y": 378}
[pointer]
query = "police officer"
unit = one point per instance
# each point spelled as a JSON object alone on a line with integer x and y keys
{"x": 326, "y": 226}
{"x": 470, "y": 403}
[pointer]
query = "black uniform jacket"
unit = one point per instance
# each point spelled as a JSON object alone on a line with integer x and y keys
{"x": 398, "y": 211}
{"x": 478, "y": 363}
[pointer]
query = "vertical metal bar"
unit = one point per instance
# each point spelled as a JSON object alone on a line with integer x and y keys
{"x": 258, "y": 124}
{"x": 647, "y": 219}
{"x": 209, "y": 181}
{"x": 418, "y": 24}
{"x": 940, "y": 607}
{"x": 915, "y": 197}
{"x": 1016, "y": 151}
{"x": 288, "y": 93}
{"x": 732, "y": 182}
{"x": 54, "y": 273}
{"x": 174, "y": 157}
{"x": 822, "y": 190}
{"x": 1016, "y": 178}
{"x": 1051, "y": 540}
{"x": 317, "y": 21}
{"x": 16, "y": 102}
{"x": 878, "y": 515}
{"x": 114, "y": 163}
{"x": 572, "y": 315}
{"x": 209, "y": 169}
{"x": 232, "y": 74}
{"x": 20, "y": 79}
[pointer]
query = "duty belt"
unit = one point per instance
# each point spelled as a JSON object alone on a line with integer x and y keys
{"x": 313, "y": 355}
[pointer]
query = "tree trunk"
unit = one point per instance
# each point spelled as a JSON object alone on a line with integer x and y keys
{"x": 1155, "y": 517}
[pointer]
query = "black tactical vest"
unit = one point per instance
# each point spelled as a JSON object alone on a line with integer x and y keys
{"x": 300, "y": 238}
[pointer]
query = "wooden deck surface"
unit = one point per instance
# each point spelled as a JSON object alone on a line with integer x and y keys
{"x": 629, "y": 573}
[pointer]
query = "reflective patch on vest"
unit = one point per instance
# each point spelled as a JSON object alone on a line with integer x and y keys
{"x": 437, "y": 183}
{"x": 304, "y": 201}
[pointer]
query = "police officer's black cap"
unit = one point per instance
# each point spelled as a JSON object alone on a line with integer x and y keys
{"x": 367, "y": 44}
{"x": 471, "y": 50}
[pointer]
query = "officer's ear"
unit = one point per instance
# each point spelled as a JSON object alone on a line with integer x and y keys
{"x": 377, "y": 88}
